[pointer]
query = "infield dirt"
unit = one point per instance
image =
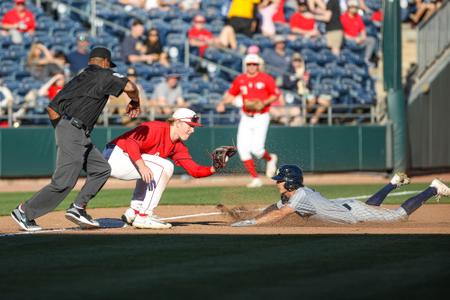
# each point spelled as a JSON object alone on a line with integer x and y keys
{"x": 429, "y": 219}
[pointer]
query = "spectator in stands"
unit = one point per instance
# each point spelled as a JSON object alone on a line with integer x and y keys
{"x": 277, "y": 57}
{"x": 154, "y": 48}
{"x": 424, "y": 10}
{"x": 190, "y": 4}
{"x": 61, "y": 64}
{"x": 18, "y": 20}
{"x": 118, "y": 105}
{"x": 267, "y": 9}
{"x": 52, "y": 87}
{"x": 241, "y": 16}
{"x": 78, "y": 59}
{"x": 254, "y": 49}
{"x": 285, "y": 114}
{"x": 355, "y": 30}
{"x": 49, "y": 89}
{"x": 132, "y": 46}
{"x": 41, "y": 63}
{"x": 334, "y": 33}
{"x": 316, "y": 6}
{"x": 279, "y": 16}
{"x": 201, "y": 37}
{"x": 297, "y": 79}
{"x": 150, "y": 4}
{"x": 6, "y": 99}
{"x": 168, "y": 95}
{"x": 303, "y": 21}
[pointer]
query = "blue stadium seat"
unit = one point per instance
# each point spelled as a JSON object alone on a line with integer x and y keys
{"x": 179, "y": 26}
{"x": 244, "y": 40}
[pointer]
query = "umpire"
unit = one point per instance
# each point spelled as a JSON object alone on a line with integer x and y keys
{"x": 73, "y": 113}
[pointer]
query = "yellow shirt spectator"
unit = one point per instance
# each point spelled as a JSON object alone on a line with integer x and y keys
{"x": 242, "y": 8}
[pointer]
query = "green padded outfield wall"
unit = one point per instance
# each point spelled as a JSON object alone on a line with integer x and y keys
{"x": 30, "y": 152}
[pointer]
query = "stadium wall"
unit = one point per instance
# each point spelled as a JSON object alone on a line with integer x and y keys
{"x": 429, "y": 124}
{"x": 30, "y": 152}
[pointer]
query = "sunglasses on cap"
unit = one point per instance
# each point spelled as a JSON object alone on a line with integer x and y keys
{"x": 195, "y": 119}
{"x": 192, "y": 121}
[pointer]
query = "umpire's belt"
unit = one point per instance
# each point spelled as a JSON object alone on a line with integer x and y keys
{"x": 77, "y": 123}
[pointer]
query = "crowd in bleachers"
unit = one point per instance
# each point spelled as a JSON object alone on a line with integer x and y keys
{"x": 318, "y": 50}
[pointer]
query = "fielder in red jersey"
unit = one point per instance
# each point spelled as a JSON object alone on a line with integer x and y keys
{"x": 142, "y": 154}
{"x": 258, "y": 91}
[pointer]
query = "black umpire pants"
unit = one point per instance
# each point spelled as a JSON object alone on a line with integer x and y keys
{"x": 75, "y": 152}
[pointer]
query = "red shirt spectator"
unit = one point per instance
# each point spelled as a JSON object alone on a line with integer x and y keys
{"x": 19, "y": 18}
{"x": 279, "y": 16}
{"x": 303, "y": 21}
{"x": 202, "y": 36}
{"x": 199, "y": 36}
{"x": 53, "y": 91}
{"x": 299, "y": 20}
{"x": 377, "y": 16}
{"x": 352, "y": 25}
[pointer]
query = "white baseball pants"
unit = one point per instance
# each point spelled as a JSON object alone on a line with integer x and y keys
{"x": 251, "y": 136}
{"x": 144, "y": 200}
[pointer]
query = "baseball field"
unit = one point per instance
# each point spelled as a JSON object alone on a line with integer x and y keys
{"x": 202, "y": 257}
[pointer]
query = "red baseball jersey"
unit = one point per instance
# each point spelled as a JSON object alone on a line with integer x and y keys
{"x": 260, "y": 87}
{"x": 12, "y": 17}
{"x": 352, "y": 26}
{"x": 200, "y": 34}
{"x": 154, "y": 138}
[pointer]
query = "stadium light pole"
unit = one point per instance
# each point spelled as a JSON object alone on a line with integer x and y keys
{"x": 392, "y": 74}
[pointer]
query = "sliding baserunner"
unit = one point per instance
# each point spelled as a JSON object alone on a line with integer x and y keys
{"x": 297, "y": 198}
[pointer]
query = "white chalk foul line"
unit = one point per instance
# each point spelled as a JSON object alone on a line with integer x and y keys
{"x": 37, "y": 232}
{"x": 192, "y": 215}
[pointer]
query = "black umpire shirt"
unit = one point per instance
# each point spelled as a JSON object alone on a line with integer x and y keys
{"x": 85, "y": 96}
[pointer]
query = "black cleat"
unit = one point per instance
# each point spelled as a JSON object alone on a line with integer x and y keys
{"x": 24, "y": 223}
{"x": 81, "y": 218}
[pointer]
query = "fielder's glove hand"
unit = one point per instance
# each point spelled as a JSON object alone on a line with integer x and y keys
{"x": 244, "y": 223}
{"x": 221, "y": 154}
{"x": 255, "y": 106}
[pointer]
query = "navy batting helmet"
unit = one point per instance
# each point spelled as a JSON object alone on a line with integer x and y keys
{"x": 291, "y": 175}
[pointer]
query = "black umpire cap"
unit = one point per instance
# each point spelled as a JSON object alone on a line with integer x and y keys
{"x": 102, "y": 53}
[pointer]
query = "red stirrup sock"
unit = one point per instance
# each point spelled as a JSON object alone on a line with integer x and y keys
{"x": 266, "y": 156}
{"x": 250, "y": 166}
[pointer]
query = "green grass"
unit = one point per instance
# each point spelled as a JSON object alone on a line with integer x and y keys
{"x": 224, "y": 267}
{"x": 210, "y": 196}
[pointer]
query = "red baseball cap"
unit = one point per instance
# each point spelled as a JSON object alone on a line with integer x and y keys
{"x": 20, "y": 1}
{"x": 188, "y": 116}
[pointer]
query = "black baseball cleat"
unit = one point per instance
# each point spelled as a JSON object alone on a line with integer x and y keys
{"x": 24, "y": 223}
{"x": 81, "y": 217}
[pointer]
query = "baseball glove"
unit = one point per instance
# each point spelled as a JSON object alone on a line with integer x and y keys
{"x": 255, "y": 106}
{"x": 221, "y": 154}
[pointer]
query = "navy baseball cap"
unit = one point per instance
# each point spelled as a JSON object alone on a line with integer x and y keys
{"x": 102, "y": 53}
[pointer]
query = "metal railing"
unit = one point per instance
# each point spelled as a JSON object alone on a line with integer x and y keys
{"x": 433, "y": 38}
